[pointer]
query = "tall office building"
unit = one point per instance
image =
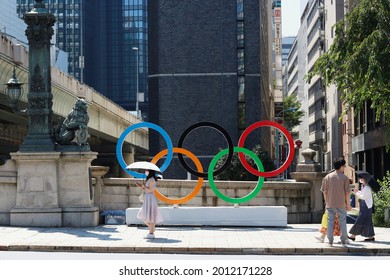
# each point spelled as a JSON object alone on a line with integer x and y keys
{"x": 100, "y": 37}
{"x": 308, "y": 46}
{"x": 204, "y": 65}
{"x": 287, "y": 43}
{"x": 10, "y": 24}
{"x": 277, "y": 57}
{"x": 321, "y": 126}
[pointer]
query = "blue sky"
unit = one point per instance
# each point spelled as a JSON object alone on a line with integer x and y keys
{"x": 291, "y": 16}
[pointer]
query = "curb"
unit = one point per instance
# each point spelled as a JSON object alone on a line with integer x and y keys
{"x": 199, "y": 250}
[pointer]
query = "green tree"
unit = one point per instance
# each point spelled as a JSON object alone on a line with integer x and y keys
{"x": 237, "y": 172}
{"x": 358, "y": 62}
{"x": 292, "y": 118}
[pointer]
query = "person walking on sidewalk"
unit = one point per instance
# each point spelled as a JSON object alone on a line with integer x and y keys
{"x": 335, "y": 187}
{"x": 324, "y": 227}
{"x": 363, "y": 225}
{"x": 150, "y": 213}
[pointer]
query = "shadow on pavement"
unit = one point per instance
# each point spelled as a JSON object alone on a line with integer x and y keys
{"x": 163, "y": 240}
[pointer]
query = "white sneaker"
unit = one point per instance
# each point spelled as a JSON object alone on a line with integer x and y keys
{"x": 345, "y": 243}
{"x": 149, "y": 236}
{"x": 319, "y": 239}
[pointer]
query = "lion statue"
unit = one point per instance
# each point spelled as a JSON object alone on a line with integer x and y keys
{"x": 74, "y": 126}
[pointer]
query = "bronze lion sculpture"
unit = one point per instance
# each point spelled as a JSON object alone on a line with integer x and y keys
{"x": 74, "y": 126}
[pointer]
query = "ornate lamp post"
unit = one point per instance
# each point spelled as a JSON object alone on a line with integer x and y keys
{"x": 53, "y": 183}
{"x": 39, "y": 105}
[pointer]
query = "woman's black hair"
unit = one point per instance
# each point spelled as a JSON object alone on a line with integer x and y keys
{"x": 152, "y": 174}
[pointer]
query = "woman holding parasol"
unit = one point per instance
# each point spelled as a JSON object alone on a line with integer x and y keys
{"x": 149, "y": 213}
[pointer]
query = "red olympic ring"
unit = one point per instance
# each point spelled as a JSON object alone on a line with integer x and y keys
{"x": 290, "y": 156}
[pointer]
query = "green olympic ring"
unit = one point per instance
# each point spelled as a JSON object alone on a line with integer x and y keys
{"x": 249, "y": 196}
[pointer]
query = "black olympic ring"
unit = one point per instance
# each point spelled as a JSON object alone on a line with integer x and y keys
{"x": 225, "y": 134}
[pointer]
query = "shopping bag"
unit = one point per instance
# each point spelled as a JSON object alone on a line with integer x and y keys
{"x": 141, "y": 197}
{"x": 324, "y": 221}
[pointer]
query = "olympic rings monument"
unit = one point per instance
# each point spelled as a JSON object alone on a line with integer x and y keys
{"x": 234, "y": 215}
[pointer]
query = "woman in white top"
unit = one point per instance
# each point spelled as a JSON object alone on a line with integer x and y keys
{"x": 363, "y": 225}
{"x": 149, "y": 212}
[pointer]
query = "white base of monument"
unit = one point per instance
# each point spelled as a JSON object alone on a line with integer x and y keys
{"x": 218, "y": 216}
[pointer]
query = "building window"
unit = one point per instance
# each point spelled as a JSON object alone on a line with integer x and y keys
{"x": 241, "y": 89}
{"x": 315, "y": 88}
{"x": 241, "y": 61}
{"x": 240, "y": 9}
{"x": 241, "y": 65}
{"x": 240, "y": 34}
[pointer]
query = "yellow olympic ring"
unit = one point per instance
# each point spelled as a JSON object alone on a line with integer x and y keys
{"x": 198, "y": 185}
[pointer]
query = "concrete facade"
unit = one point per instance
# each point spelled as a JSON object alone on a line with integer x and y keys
{"x": 320, "y": 129}
{"x": 333, "y": 144}
{"x": 195, "y": 73}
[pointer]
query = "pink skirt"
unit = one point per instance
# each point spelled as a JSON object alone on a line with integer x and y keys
{"x": 149, "y": 212}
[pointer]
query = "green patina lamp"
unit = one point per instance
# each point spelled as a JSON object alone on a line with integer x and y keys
{"x": 14, "y": 91}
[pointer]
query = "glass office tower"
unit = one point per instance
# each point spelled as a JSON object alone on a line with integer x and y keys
{"x": 100, "y": 37}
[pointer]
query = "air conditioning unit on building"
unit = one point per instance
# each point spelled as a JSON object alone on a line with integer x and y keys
{"x": 322, "y": 34}
{"x": 321, "y": 9}
{"x": 18, "y": 54}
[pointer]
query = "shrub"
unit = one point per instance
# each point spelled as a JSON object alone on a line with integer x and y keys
{"x": 382, "y": 201}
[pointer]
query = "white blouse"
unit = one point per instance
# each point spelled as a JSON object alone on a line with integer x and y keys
{"x": 366, "y": 195}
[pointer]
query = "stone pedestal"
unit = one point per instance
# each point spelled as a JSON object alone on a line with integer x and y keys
{"x": 54, "y": 189}
{"x": 7, "y": 190}
{"x": 75, "y": 192}
{"x": 98, "y": 172}
{"x": 37, "y": 190}
{"x": 310, "y": 171}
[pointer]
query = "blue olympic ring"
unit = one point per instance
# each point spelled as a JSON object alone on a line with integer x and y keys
{"x": 121, "y": 139}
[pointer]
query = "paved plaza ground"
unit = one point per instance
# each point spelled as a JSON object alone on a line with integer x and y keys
{"x": 293, "y": 239}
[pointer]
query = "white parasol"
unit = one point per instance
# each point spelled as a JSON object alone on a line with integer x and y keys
{"x": 143, "y": 165}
